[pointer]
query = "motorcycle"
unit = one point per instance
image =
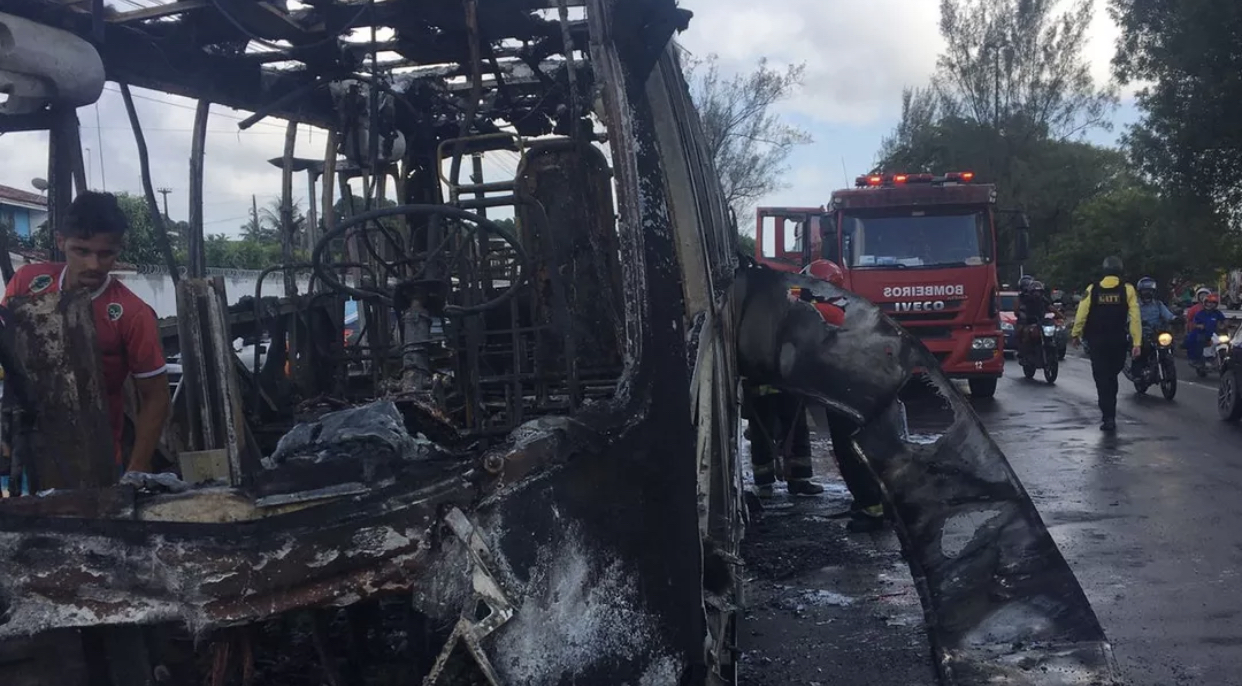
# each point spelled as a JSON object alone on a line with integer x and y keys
{"x": 1157, "y": 366}
{"x": 1046, "y": 355}
{"x": 1215, "y": 352}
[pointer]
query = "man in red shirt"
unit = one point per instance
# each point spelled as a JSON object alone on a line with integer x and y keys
{"x": 91, "y": 237}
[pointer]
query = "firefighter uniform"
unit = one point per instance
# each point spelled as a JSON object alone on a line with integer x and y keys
{"x": 1109, "y": 320}
{"x": 778, "y": 424}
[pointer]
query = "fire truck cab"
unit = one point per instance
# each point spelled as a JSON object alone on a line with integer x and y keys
{"x": 922, "y": 247}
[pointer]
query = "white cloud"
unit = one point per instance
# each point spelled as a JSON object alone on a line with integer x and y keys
{"x": 858, "y": 55}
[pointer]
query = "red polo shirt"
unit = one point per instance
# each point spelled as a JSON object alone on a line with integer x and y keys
{"x": 129, "y": 338}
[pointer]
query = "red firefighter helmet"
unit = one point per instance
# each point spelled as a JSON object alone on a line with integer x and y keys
{"x": 826, "y": 270}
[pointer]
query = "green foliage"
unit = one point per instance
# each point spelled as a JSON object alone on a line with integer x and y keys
{"x": 1187, "y": 55}
{"x": 746, "y": 244}
{"x": 141, "y": 245}
{"x": 1152, "y": 235}
{"x": 255, "y": 251}
{"x": 246, "y": 253}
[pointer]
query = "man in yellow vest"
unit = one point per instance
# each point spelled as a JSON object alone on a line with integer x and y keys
{"x": 1109, "y": 319}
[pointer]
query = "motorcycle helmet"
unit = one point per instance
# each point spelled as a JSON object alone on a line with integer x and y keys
{"x": 1036, "y": 286}
{"x": 1212, "y": 301}
{"x": 1113, "y": 266}
{"x": 826, "y": 270}
{"x": 1202, "y": 292}
{"x": 1024, "y": 284}
{"x": 1147, "y": 289}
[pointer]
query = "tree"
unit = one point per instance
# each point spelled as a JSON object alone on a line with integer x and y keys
{"x": 746, "y": 244}
{"x": 1145, "y": 229}
{"x": 246, "y": 253}
{"x": 748, "y": 141}
{"x": 1011, "y": 78}
{"x": 141, "y": 246}
{"x": 8, "y": 240}
{"x": 1014, "y": 63}
{"x": 1189, "y": 54}
{"x": 267, "y": 226}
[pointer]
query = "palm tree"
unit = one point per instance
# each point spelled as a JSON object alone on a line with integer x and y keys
{"x": 266, "y": 228}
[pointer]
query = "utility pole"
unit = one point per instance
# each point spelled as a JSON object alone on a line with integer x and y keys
{"x": 254, "y": 216}
{"x": 164, "y": 192}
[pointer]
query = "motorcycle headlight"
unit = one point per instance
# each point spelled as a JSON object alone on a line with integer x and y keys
{"x": 1222, "y": 339}
{"x": 983, "y": 344}
{"x": 1165, "y": 339}
{"x": 1006, "y": 326}
{"x": 1050, "y": 331}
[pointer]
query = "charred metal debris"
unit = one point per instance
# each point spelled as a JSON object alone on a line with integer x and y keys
{"x": 505, "y": 460}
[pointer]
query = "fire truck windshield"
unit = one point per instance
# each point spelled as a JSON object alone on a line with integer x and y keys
{"x": 915, "y": 239}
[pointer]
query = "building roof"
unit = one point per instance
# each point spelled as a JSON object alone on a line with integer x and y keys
{"x": 26, "y": 197}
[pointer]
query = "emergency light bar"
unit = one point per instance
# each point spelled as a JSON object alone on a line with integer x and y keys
{"x": 889, "y": 180}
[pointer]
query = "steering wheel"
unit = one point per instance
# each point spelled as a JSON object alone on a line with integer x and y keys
{"x": 325, "y": 270}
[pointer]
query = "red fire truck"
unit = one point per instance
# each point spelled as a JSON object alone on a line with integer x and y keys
{"x": 921, "y": 246}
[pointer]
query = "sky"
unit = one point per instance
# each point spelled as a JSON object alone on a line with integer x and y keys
{"x": 858, "y": 55}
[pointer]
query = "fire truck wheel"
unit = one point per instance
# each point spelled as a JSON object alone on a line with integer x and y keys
{"x": 982, "y": 388}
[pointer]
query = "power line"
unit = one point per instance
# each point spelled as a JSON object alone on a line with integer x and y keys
{"x": 225, "y": 132}
{"x": 192, "y": 109}
{"x": 230, "y": 219}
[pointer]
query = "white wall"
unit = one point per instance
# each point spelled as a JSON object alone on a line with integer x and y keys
{"x": 157, "y": 289}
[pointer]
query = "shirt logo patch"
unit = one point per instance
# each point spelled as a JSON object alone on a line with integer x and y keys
{"x": 1110, "y": 299}
{"x": 40, "y": 283}
{"x": 115, "y": 311}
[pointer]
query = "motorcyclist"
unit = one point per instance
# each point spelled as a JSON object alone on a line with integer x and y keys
{"x": 1203, "y": 327}
{"x": 1201, "y": 293}
{"x": 1154, "y": 314}
{"x": 1152, "y": 310}
{"x": 1033, "y": 304}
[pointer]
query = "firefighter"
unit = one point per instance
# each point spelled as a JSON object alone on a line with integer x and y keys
{"x": 777, "y": 422}
{"x": 1110, "y": 320}
{"x": 867, "y": 510}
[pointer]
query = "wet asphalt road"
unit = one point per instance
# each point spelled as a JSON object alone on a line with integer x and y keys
{"x": 1150, "y": 520}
